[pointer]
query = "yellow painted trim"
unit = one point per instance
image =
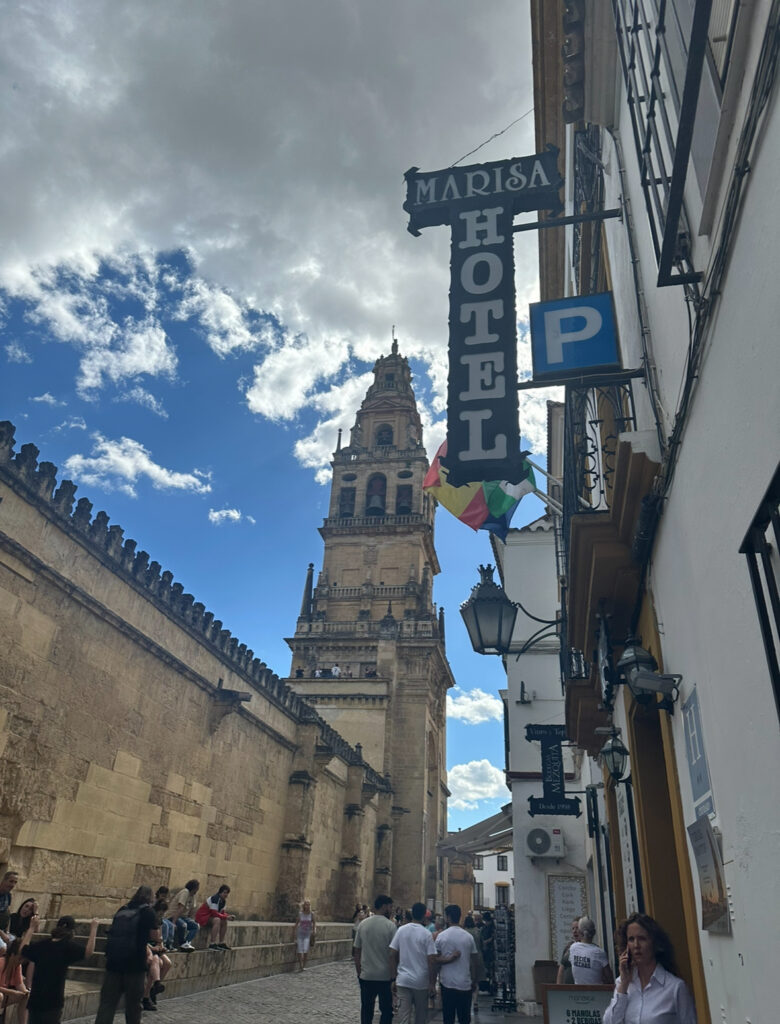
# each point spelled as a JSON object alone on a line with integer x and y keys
{"x": 651, "y": 640}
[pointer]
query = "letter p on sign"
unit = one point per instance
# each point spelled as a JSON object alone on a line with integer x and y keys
{"x": 560, "y": 328}
{"x": 572, "y": 337}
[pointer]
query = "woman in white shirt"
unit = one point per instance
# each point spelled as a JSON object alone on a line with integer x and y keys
{"x": 648, "y": 990}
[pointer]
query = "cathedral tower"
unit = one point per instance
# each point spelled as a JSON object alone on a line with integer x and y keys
{"x": 368, "y": 649}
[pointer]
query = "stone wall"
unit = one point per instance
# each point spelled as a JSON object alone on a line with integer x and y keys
{"x": 140, "y": 742}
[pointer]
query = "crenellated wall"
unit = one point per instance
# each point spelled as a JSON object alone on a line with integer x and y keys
{"x": 141, "y": 742}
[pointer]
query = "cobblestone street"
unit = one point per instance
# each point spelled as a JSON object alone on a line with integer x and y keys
{"x": 326, "y": 994}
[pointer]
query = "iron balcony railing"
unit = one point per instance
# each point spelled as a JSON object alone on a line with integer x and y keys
{"x": 595, "y": 417}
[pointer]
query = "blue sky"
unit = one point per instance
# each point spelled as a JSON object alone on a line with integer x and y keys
{"x": 203, "y": 253}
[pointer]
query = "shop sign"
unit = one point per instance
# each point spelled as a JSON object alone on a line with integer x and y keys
{"x": 554, "y": 800}
{"x": 479, "y": 204}
{"x": 573, "y": 337}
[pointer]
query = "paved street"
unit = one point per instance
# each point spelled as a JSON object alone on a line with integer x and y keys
{"x": 326, "y": 994}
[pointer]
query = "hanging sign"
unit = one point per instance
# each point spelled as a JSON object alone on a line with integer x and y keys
{"x": 554, "y": 800}
{"x": 479, "y": 204}
{"x": 574, "y": 336}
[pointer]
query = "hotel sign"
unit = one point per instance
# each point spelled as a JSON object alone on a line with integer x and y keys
{"x": 479, "y": 204}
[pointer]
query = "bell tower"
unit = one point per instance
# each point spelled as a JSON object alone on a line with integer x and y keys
{"x": 368, "y": 649}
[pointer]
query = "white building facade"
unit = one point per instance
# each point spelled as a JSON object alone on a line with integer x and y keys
{"x": 671, "y": 492}
{"x": 494, "y": 879}
{"x": 550, "y": 865}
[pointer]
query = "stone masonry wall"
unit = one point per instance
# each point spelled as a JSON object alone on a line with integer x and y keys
{"x": 139, "y": 742}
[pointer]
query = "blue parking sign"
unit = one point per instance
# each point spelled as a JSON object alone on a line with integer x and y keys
{"x": 573, "y": 337}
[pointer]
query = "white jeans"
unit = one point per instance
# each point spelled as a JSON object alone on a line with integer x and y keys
{"x": 408, "y": 997}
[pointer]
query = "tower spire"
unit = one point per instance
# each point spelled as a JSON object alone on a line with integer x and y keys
{"x": 308, "y": 592}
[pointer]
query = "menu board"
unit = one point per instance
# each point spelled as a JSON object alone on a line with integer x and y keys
{"x": 575, "y": 1004}
{"x": 567, "y": 898}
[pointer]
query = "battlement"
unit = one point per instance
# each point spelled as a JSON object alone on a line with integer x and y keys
{"x": 36, "y": 482}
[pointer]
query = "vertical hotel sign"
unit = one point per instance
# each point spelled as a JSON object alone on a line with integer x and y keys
{"x": 479, "y": 204}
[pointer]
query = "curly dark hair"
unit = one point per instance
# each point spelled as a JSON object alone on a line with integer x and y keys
{"x": 662, "y": 944}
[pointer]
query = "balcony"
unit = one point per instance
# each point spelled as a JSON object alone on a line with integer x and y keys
{"x": 607, "y": 474}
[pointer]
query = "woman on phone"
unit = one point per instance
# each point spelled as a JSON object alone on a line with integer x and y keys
{"x": 648, "y": 988}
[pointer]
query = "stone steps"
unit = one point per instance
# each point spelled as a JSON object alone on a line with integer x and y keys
{"x": 259, "y": 949}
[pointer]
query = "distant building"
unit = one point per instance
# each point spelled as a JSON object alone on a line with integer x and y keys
{"x": 481, "y": 863}
{"x": 371, "y": 612}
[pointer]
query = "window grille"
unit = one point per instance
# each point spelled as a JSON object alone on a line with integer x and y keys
{"x": 663, "y": 47}
{"x": 761, "y": 547}
{"x": 502, "y": 862}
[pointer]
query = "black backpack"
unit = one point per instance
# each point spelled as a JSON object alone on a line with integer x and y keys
{"x": 122, "y": 944}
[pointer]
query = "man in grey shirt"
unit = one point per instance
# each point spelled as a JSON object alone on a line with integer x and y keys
{"x": 371, "y": 953}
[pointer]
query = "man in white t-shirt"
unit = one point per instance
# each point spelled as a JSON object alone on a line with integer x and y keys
{"x": 459, "y": 964}
{"x": 371, "y": 953}
{"x": 589, "y": 962}
{"x": 413, "y": 959}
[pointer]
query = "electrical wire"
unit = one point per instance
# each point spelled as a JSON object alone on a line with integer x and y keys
{"x": 495, "y": 135}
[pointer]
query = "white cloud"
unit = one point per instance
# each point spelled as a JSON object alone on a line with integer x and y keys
{"x": 142, "y": 349}
{"x": 280, "y": 178}
{"x": 473, "y": 782}
{"x": 223, "y": 319}
{"x": 120, "y": 465}
{"x": 72, "y": 423}
{"x": 474, "y": 706}
{"x": 145, "y": 398}
{"x": 225, "y": 515}
{"x": 16, "y": 353}
{"x": 47, "y": 399}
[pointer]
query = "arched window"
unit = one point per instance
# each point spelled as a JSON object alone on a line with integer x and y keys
{"x": 346, "y": 502}
{"x": 376, "y": 492}
{"x": 384, "y": 435}
{"x": 403, "y": 500}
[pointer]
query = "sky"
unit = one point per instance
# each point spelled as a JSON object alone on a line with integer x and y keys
{"x": 204, "y": 251}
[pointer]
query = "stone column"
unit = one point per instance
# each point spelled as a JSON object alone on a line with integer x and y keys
{"x": 297, "y": 842}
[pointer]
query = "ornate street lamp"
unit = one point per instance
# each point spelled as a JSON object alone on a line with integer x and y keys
{"x": 489, "y": 615}
{"x": 615, "y": 756}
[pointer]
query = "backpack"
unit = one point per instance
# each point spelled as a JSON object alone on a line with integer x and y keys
{"x": 122, "y": 945}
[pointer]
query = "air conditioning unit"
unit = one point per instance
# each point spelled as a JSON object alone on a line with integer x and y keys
{"x": 544, "y": 842}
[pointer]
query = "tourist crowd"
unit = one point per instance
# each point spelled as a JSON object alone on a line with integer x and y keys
{"x": 142, "y": 935}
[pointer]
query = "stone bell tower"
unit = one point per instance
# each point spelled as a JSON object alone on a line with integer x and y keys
{"x": 368, "y": 649}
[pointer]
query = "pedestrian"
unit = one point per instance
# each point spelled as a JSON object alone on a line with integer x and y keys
{"x": 458, "y": 965}
{"x": 182, "y": 914}
{"x": 648, "y": 987}
{"x": 134, "y": 925}
{"x": 51, "y": 958}
{"x": 211, "y": 914}
{"x": 304, "y": 933}
{"x": 7, "y": 886}
{"x": 161, "y": 901}
{"x": 371, "y": 954}
{"x": 589, "y": 962}
{"x": 12, "y": 986}
{"x": 489, "y": 945}
{"x": 413, "y": 962}
{"x": 470, "y": 925}
{"x": 158, "y": 963}
{"x": 24, "y": 919}
{"x": 565, "y": 976}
